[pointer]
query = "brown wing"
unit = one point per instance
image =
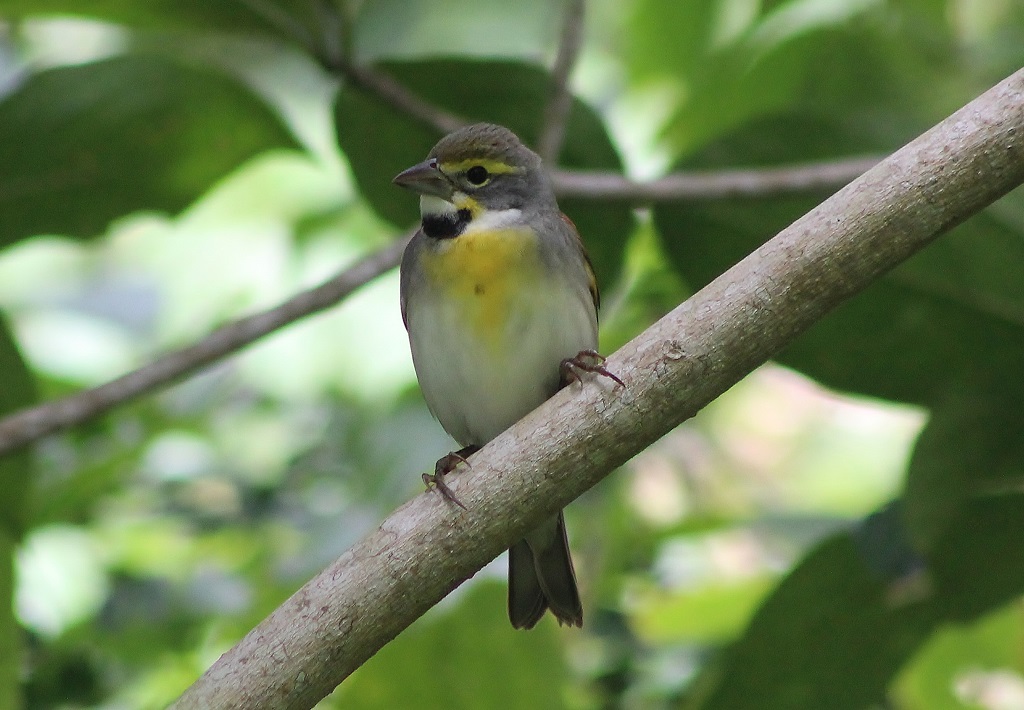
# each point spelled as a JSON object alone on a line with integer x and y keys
{"x": 591, "y": 277}
{"x": 407, "y": 276}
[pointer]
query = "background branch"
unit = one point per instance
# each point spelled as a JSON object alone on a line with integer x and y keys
{"x": 30, "y": 424}
{"x": 716, "y": 184}
{"x": 426, "y": 548}
{"x": 556, "y": 114}
{"x": 394, "y": 94}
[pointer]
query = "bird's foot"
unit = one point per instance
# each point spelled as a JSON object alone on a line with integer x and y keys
{"x": 586, "y": 361}
{"x": 445, "y": 465}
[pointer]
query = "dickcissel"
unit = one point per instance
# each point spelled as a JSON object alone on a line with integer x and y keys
{"x": 500, "y": 302}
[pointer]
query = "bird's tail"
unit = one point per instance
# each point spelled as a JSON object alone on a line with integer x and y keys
{"x": 541, "y": 576}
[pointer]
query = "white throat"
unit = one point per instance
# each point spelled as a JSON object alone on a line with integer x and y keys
{"x": 431, "y": 206}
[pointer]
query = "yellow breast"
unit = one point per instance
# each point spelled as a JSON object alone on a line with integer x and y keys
{"x": 485, "y": 273}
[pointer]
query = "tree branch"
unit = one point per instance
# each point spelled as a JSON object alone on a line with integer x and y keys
{"x": 556, "y": 115}
{"x": 394, "y": 94}
{"x": 27, "y": 425}
{"x": 715, "y": 184}
{"x": 335, "y": 622}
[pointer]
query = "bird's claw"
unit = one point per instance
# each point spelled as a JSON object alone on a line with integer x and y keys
{"x": 587, "y": 361}
{"x": 445, "y": 465}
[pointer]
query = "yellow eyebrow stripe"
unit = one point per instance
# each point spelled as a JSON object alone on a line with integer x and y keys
{"x": 494, "y": 167}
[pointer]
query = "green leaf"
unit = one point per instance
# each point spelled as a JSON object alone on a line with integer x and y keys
{"x": 957, "y": 653}
{"x": 81, "y": 146}
{"x": 898, "y": 343}
{"x": 971, "y": 446}
{"x": 379, "y": 142}
{"x": 396, "y": 29}
{"x": 843, "y": 623}
{"x": 951, "y": 311}
{"x": 666, "y": 38}
{"x": 467, "y": 656}
{"x": 10, "y": 633}
{"x": 973, "y": 565}
{"x": 824, "y": 639}
{"x": 708, "y": 614}
{"x": 17, "y": 390}
{"x": 739, "y": 62}
{"x": 271, "y": 16}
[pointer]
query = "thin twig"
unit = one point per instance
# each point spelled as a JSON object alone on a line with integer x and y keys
{"x": 712, "y": 184}
{"x": 27, "y": 425}
{"x": 556, "y": 114}
{"x": 398, "y": 97}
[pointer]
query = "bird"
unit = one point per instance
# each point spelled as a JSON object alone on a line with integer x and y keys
{"x": 500, "y": 302}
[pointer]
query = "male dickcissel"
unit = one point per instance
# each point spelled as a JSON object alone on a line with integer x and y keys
{"x": 500, "y": 302}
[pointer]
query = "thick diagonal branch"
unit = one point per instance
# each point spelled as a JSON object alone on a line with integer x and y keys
{"x": 425, "y": 549}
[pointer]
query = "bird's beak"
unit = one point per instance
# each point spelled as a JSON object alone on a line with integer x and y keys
{"x": 426, "y": 178}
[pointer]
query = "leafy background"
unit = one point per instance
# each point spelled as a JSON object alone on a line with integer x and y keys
{"x": 841, "y": 530}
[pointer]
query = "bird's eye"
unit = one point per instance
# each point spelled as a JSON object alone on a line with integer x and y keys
{"x": 478, "y": 175}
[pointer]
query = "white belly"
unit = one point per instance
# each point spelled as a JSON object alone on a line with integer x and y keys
{"x": 477, "y": 387}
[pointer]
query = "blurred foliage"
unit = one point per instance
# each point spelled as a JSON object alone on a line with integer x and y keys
{"x": 75, "y": 138}
{"x": 167, "y": 165}
{"x": 16, "y": 476}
